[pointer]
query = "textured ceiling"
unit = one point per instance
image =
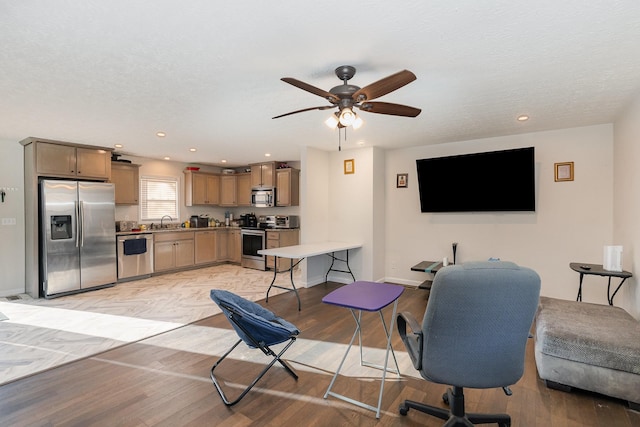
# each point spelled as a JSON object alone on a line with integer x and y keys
{"x": 208, "y": 73}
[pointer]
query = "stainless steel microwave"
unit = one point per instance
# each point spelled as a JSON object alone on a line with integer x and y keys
{"x": 263, "y": 197}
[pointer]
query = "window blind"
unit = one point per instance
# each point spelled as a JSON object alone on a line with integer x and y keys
{"x": 158, "y": 197}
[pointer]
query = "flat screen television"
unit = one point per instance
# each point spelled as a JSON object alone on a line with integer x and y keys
{"x": 495, "y": 181}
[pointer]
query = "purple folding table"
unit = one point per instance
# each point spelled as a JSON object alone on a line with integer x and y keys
{"x": 367, "y": 296}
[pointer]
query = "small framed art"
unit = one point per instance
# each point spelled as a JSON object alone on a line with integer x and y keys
{"x": 563, "y": 171}
{"x": 401, "y": 180}
{"x": 349, "y": 166}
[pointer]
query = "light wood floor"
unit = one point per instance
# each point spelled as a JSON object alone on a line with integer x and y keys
{"x": 158, "y": 382}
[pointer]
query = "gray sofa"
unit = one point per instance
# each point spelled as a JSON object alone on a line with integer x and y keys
{"x": 588, "y": 346}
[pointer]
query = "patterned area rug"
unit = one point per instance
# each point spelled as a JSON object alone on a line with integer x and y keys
{"x": 40, "y": 334}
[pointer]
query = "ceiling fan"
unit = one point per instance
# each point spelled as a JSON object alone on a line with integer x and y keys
{"x": 346, "y": 97}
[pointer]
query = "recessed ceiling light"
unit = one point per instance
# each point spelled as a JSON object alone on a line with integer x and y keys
{"x": 161, "y": 134}
{"x": 223, "y": 161}
{"x": 118, "y": 145}
{"x": 267, "y": 154}
{"x": 167, "y": 158}
{"x": 192, "y": 149}
{"x": 523, "y": 118}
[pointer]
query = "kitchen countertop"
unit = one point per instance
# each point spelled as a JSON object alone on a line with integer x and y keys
{"x": 176, "y": 229}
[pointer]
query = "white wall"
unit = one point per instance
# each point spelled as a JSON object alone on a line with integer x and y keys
{"x": 12, "y": 263}
{"x": 626, "y": 182}
{"x": 572, "y": 222}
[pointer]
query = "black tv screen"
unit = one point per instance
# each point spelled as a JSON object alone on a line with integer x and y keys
{"x": 495, "y": 181}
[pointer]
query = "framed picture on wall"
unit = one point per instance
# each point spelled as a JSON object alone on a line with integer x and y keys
{"x": 401, "y": 180}
{"x": 564, "y": 171}
{"x": 349, "y": 166}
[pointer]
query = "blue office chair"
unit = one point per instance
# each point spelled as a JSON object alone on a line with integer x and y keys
{"x": 473, "y": 334}
{"x": 258, "y": 328}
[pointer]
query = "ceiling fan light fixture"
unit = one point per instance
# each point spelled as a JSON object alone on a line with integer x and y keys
{"x": 331, "y": 122}
{"x": 347, "y": 117}
{"x": 357, "y": 123}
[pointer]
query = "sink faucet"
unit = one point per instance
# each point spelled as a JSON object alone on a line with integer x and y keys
{"x": 162, "y": 219}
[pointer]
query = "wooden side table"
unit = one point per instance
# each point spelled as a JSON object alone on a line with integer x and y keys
{"x": 427, "y": 267}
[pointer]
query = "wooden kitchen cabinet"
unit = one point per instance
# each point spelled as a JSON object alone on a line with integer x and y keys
{"x": 206, "y": 246}
{"x": 70, "y": 161}
{"x": 235, "y": 246}
{"x": 280, "y": 239}
{"x": 228, "y": 190}
{"x": 262, "y": 174}
{"x": 243, "y": 189}
{"x": 201, "y": 188}
{"x": 287, "y": 187}
{"x": 125, "y": 177}
{"x": 223, "y": 245}
{"x": 173, "y": 250}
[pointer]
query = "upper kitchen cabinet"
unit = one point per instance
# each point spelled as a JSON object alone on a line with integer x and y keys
{"x": 201, "y": 188}
{"x": 125, "y": 177}
{"x": 66, "y": 160}
{"x": 262, "y": 174}
{"x": 287, "y": 187}
{"x": 228, "y": 192}
{"x": 243, "y": 189}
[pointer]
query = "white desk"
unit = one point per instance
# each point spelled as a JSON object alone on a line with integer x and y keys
{"x": 306, "y": 250}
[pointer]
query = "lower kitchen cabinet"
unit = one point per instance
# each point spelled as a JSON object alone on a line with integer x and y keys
{"x": 206, "y": 247}
{"x": 235, "y": 246}
{"x": 173, "y": 250}
{"x": 279, "y": 239}
{"x": 223, "y": 246}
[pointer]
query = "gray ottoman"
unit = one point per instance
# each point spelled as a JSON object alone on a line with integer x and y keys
{"x": 588, "y": 346}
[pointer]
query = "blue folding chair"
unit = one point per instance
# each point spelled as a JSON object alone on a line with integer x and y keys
{"x": 258, "y": 328}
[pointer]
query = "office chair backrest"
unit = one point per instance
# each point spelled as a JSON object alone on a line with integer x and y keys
{"x": 477, "y": 322}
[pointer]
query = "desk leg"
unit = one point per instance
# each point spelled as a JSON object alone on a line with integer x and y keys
{"x": 275, "y": 273}
{"x": 610, "y": 298}
{"x": 333, "y": 260}
{"x": 579, "y": 298}
{"x": 293, "y": 285}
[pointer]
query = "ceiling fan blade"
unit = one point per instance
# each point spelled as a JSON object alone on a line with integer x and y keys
{"x": 312, "y": 89}
{"x": 388, "y": 108}
{"x": 384, "y": 86}
{"x": 324, "y": 107}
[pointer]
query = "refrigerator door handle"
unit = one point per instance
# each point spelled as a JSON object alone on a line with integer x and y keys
{"x": 81, "y": 223}
{"x": 77, "y": 208}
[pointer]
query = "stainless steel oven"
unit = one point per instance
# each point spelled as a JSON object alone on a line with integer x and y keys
{"x": 253, "y": 240}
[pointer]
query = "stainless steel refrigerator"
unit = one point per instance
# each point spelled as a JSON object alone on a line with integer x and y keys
{"x": 77, "y": 243}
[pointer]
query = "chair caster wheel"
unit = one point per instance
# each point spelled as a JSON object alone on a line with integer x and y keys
{"x": 403, "y": 409}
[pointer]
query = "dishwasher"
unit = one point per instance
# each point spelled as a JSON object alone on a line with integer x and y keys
{"x": 135, "y": 255}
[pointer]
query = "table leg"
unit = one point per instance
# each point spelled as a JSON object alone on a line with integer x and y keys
{"x": 386, "y": 357}
{"x": 610, "y": 298}
{"x": 579, "y": 298}
{"x": 385, "y": 368}
{"x": 293, "y": 285}
{"x": 333, "y": 260}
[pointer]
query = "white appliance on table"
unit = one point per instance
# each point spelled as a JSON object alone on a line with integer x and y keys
{"x": 77, "y": 221}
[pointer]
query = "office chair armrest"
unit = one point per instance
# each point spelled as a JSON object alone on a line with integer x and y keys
{"x": 413, "y": 340}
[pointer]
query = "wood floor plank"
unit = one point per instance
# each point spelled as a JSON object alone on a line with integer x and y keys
{"x": 156, "y": 383}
